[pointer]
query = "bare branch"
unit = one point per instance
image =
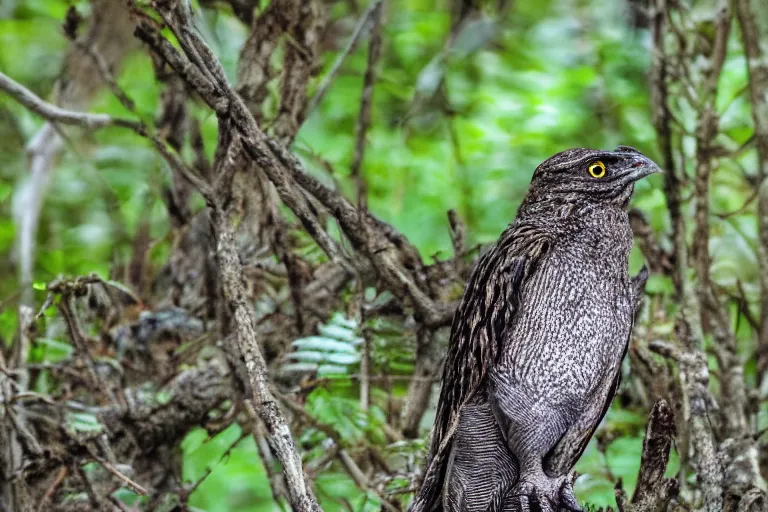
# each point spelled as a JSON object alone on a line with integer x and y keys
{"x": 282, "y": 168}
{"x": 299, "y": 63}
{"x": 55, "y": 114}
{"x": 60, "y": 115}
{"x": 653, "y": 491}
{"x": 279, "y": 435}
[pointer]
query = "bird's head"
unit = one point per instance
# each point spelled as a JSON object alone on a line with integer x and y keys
{"x": 589, "y": 176}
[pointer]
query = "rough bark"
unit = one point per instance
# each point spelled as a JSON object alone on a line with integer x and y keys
{"x": 654, "y": 492}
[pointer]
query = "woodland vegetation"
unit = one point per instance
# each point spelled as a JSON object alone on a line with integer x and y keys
{"x": 234, "y": 234}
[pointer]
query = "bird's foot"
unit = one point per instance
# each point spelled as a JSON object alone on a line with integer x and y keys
{"x": 550, "y": 494}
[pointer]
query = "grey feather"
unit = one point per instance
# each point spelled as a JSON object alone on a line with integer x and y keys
{"x": 537, "y": 341}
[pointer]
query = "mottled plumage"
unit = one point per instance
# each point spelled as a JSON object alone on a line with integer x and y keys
{"x": 537, "y": 341}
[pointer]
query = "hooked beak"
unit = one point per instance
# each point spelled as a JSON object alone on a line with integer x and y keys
{"x": 636, "y": 165}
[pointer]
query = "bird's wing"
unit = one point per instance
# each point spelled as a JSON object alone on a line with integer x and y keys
{"x": 486, "y": 310}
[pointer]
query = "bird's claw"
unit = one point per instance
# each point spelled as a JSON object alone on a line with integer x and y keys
{"x": 567, "y": 498}
{"x": 550, "y": 494}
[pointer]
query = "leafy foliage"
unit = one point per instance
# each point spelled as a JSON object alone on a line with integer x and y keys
{"x": 334, "y": 351}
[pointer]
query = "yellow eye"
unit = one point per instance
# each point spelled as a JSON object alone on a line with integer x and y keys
{"x": 597, "y": 169}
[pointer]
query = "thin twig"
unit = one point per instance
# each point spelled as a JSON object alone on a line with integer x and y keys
{"x": 322, "y": 89}
{"x": 364, "y": 117}
{"x": 130, "y": 483}
{"x": 103, "y": 68}
{"x": 60, "y": 115}
{"x": 60, "y": 475}
{"x": 55, "y": 114}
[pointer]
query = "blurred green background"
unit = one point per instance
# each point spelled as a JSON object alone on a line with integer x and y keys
{"x": 455, "y": 125}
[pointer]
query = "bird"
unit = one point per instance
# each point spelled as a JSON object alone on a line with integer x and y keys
{"x": 537, "y": 341}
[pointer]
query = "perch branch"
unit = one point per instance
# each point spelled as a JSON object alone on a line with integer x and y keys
{"x": 653, "y": 491}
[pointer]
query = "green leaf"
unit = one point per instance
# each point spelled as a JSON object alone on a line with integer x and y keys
{"x": 308, "y": 356}
{"x": 126, "y": 496}
{"x": 84, "y": 422}
{"x": 323, "y": 343}
{"x": 325, "y": 370}
{"x": 163, "y": 397}
{"x": 659, "y": 285}
{"x": 341, "y": 320}
{"x": 474, "y": 35}
{"x": 55, "y": 350}
{"x": 346, "y": 359}
{"x": 339, "y": 333}
{"x": 299, "y": 368}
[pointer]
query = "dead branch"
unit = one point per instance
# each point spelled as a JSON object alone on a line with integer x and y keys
{"x": 298, "y": 65}
{"x": 230, "y": 268}
{"x": 282, "y": 168}
{"x": 55, "y": 114}
{"x": 428, "y": 365}
{"x": 654, "y": 492}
